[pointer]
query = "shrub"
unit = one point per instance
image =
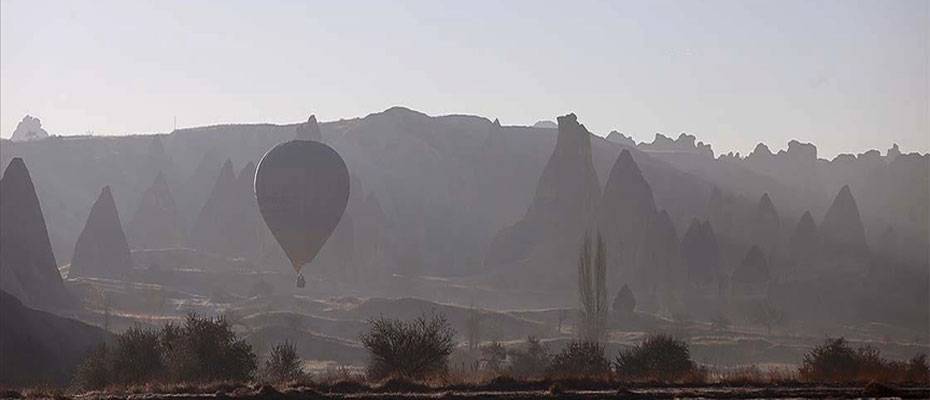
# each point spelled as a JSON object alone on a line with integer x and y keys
{"x": 534, "y": 361}
{"x": 200, "y": 351}
{"x": 493, "y": 356}
{"x": 659, "y": 357}
{"x": 205, "y": 350}
{"x": 283, "y": 364}
{"x": 833, "y": 361}
{"x": 94, "y": 372}
{"x": 136, "y": 357}
{"x": 415, "y": 349}
{"x": 580, "y": 359}
{"x": 837, "y": 361}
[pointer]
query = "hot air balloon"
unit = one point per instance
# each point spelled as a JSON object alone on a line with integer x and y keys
{"x": 302, "y": 188}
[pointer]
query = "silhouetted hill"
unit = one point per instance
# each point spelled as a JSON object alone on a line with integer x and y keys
{"x": 37, "y": 347}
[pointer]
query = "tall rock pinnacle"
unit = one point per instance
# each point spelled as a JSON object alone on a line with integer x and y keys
{"x": 805, "y": 241}
{"x": 309, "y": 130}
{"x": 766, "y": 226}
{"x": 101, "y": 249}
{"x": 27, "y": 265}
{"x": 626, "y": 219}
{"x": 209, "y": 231}
{"x": 156, "y": 224}
{"x": 566, "y": 198}
{"x": 842, "y": 228}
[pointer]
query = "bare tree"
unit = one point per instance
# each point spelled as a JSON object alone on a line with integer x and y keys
{"x": 592, "y": 290}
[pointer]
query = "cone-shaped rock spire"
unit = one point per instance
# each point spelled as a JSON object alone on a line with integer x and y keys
{"x": 701, "y": 253}
{"x": 842, "y": 228}
{"x": 156, "y": 224}
{"x": 309, "y": 130}
{"x": 766, "y": 226}
{"x": 626, "y": 218}
{"x": 566, "y": 197}
{"x": 27, "y": 265}
{"x": 754, "y": 268}
{"x": 101, "y": 249}
{"x": 805, "y": 240}
{"x": 209, "y": 232}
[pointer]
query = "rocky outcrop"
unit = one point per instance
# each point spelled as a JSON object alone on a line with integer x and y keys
{"x": 40, "y": 348}
{"x": 27, "y": 265}
{"x": 842, "y": 229}
{"x": 546, "y": 124}
{"x": 566, "y": 198}
{"x": 30, "y": 128}
{"x": 101, "y": 249}
{"x": 700, "y": 253}
{"x": 753, "y": 270}
{"x": 621, "y": 139}
{"x": 684, "y": 144}
{"x": 156, "y": 224}
{"x": 310, "y": 130}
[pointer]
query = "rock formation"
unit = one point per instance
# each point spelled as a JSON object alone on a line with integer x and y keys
{"x": 30, "y": 128}
{"x": 805, "y": 241}
{"x": 700, "y": 253}
{"x": 626, "y": 219}
{"x": 684, "y": 144}
{"x": 210, "y": 231}
{"x": 566, "y": 198}
{"x": 27, "y": 266}
{"x": 310, "y": 130}
{"x": 765, "y": 226}
{"x": 101, "y": 249}
{"x": 545, "y": 124}
{"x": 156, "y": 224}
{"x": 842, "y": 229}
{"x": 38, "y": 348}
{"x": 621, "y": 139}
{"x": 753, "y": 270}
{"x": 196, "y": 189}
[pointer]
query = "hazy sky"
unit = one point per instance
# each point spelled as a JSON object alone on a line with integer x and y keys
{"x": 846, "y": 75}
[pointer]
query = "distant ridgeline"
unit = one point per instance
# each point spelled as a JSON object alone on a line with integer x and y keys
{"x": 462, "y": 196}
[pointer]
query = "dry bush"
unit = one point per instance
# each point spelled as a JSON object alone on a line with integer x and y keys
{"x": 580, "y": 359}
{"x": 531, "y": 362}
{"x": 283, "y": 364}
{"x": 202, "y": 350}
{"x": 417, "y": 349}
{"x": 836, "y": 361}
{"x": 657, "y": 358}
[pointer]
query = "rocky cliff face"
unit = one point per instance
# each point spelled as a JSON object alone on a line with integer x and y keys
{"x": 27, "y": 266}
{"x": 566, "y": 198}
{"x": 101, "y": 249}
{"x": 156, "y": 224}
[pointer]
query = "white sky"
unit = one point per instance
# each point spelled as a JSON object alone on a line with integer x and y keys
{"x": 846, "y": 75}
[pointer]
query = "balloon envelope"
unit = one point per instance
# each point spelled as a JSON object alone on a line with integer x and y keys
{"x": 302, "y": 188}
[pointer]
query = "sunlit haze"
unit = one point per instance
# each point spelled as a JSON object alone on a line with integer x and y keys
{"x": 847, "y": 75}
